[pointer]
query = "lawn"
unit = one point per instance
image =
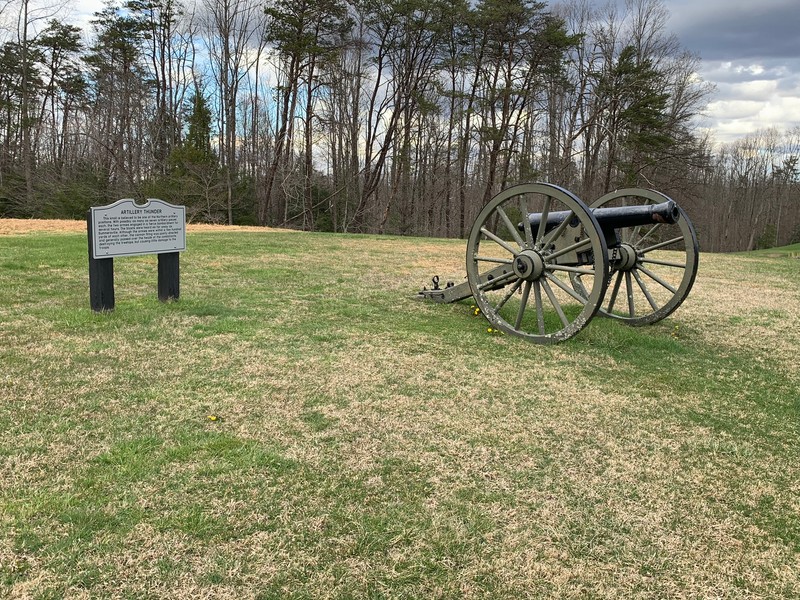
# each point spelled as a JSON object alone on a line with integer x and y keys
{"x": 298, "y": 426}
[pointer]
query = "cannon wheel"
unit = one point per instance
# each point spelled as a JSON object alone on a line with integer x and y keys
{"x": 513, "y": 268}
{"x": 665, "y": 267}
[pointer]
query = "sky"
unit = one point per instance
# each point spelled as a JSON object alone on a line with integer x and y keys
{"x": 749, "y": 50}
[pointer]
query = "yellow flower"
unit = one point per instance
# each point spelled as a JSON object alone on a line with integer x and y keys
{"x": 212, "y": 417}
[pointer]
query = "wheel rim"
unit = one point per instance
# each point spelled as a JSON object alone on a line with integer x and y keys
{"x": 665, "y": 267}
{"x": 520, "y": 279}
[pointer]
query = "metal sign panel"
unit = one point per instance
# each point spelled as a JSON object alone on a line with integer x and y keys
{"x": 125, "y": 228}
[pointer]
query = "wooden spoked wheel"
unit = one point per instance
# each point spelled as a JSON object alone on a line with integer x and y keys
{"x": 520, "y": 272}
{"x": 653, "y": 267}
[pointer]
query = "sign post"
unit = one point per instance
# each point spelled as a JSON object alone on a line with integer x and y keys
{"x": 169, "y": 284}
{"x": 101, "y": 278}
{"x": 127, "y": 229}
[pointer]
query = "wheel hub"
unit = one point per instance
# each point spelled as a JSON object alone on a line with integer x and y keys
{"x": 626, "y": 257}
{"x": 528, "y": 265}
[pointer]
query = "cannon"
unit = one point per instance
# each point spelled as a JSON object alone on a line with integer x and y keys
{"x": 540, "y": 262}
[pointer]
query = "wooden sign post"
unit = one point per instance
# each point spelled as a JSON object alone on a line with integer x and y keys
{"x": 125, "y": 228}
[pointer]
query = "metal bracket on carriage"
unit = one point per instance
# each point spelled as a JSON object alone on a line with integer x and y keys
{"x": 449, "y": 293}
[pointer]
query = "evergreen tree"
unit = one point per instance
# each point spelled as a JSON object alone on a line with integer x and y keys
{"x": 635, "y": 118}
{"x": 195, "y": 176}
{"x": 198, "y": 138}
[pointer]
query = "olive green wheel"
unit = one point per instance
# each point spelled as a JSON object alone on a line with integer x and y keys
{"x": 662, "y": 266}
{"x": 522, "y": 249}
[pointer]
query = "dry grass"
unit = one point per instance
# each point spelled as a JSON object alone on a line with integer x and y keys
{"x": 27, "y": 226}
{"x": 742, "y": 305}
{"x": 368, "y": 445}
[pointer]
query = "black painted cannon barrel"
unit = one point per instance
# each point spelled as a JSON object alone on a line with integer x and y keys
{"x": 618, "y": 216}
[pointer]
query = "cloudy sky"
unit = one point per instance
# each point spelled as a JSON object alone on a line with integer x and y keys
{"x": 750, "y": 50}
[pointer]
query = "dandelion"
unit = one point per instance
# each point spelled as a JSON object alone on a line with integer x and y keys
{"x": 213, "y": 418}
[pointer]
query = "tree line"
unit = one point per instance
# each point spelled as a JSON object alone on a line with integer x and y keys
{"x": 386, "y": 116}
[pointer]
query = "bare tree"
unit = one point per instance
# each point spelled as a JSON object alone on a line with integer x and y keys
{"x": 168, "y": 55}
{"x": 305, "y": 35}
{"x": 231, "y": 30}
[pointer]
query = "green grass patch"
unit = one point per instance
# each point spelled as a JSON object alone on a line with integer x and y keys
{"x": 791, "y": 251}
{"x": 298, "y": 426}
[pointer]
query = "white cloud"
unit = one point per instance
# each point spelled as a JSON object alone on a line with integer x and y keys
{"x": 83, "y": 11}
{"x": 783, "y": 110}
{"x": 758, "y": 90}
{"x": 729, "y": 120}
{"x": 751, "y": 95}
{"x": 726, "y": 110}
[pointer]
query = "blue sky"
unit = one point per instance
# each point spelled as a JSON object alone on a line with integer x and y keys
{"x": 750, "y": 50}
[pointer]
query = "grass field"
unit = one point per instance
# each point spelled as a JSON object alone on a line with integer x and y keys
{"x": 297, "y": 426}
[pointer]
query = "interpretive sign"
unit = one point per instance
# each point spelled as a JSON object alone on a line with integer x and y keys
{"x": 129, "y": 229}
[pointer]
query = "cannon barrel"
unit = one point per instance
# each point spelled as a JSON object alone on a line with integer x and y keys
{"x": 617, "y": 217}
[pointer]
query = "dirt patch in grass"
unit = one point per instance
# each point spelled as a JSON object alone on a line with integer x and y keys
{"x": 26, "y": 226}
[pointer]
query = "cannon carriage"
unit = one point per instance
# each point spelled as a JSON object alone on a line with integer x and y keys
{"x": 541, "y": 263}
